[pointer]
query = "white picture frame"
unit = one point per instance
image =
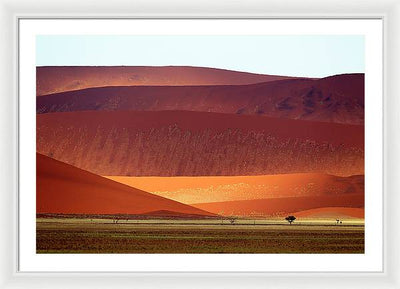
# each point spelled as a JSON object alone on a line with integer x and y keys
{"x": 13, "y": 11}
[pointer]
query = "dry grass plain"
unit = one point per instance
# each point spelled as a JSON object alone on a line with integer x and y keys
{"x": 309, "y": 236}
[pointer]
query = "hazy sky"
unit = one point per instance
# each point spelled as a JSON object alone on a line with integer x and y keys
{"x": 300, "y": 55}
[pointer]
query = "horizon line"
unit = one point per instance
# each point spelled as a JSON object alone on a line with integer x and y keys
{"x": 203, "y": 67}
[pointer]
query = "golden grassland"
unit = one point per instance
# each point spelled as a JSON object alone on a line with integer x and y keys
{"x": 72, "y": 235}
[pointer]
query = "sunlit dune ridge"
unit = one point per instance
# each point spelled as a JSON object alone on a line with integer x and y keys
{"x": 229, "y": 188}
{"x": 282, "y": 206}
{"x": 332, "y": 212}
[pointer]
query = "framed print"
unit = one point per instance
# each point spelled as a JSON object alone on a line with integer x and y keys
{"x": 247, "y": 147}
{"x": 205, "y": 138}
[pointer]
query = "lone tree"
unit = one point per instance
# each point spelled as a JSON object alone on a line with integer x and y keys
{"x": 232, "y": 220}
{"x": 290, "y": 219}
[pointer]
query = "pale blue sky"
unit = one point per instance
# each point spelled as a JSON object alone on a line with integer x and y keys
{"x": 300, "y": 55}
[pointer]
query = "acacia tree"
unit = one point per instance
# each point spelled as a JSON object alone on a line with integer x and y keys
{"x": 232, "y": 219}
{"x": 290, "y": 219}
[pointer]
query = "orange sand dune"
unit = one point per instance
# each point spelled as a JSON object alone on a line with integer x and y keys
{"x": 51, "y": 79}
{"x": 332, "y": 212}
{"x": 190, "y": 190}
{"x": 282, "y": 206}
{"x": 182, "y": 143}
{"x": 65, "y": 189}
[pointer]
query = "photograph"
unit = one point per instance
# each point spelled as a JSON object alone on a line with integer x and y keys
{"x": 200, "y": 144}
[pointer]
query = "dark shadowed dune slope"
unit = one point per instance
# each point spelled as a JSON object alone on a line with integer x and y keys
{"x": 337, "y": 99}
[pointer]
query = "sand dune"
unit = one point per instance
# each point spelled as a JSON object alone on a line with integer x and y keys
{"x": 65, "y": 189}
{"x": 52, "y": 79}
{"x": 232, "y": 188}
{"x": 332, "y": 212}
{"x": 337, "y": 99}
{"x": 179, "y": 143}
{"x": 282, "y": 206}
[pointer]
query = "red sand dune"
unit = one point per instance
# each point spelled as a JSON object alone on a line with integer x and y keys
{"x": 337, "y": 99}
{"x": 52, "y": 79}
{"x": 65, "y": 189}
{"x": 281, "y": 206}
{"x": 332, "y": 212}
{"x": 189, "y": 190}
{"x": 172, "y": 214}
{"x": 176, "y": 143}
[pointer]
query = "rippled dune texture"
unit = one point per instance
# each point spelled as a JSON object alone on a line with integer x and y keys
{"x": 198, "y": 144}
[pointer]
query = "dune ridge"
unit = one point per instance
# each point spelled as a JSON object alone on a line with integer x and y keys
{"x": 52, "y": 79}
{"x": 338, "y": 99}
